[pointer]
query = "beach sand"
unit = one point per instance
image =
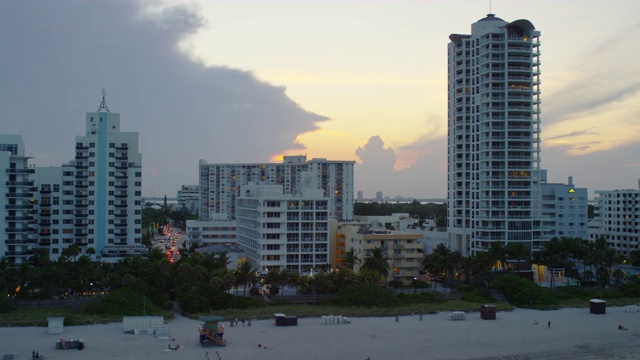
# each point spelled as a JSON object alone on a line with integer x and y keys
{"x": 573, "y": 334}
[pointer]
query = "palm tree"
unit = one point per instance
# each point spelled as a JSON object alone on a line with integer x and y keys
{"x": 377, "y": 261}
{"x": 351, "y": 259}
{"x": 498, "y": 253}
{"x": 519, "y": 255}
{"x": 245, "y": 274}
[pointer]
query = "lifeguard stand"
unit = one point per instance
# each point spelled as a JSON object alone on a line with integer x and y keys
{"x": 212, "y": 331}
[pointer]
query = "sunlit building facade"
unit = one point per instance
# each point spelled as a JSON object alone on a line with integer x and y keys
{"x": 494, "y": 136}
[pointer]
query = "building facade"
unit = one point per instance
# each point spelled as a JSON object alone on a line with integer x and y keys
{"x": 494, "y": 136}
{"x": 221, "y": 184}
{"x": 211, "y": 232}
{"x": 18, "y": 227}
{"x": 189, "y": 198}
{"x": 403, "y": 250}
{"x": 617, "y": 219}
{"x": 95, "y": 200}
{"x": 565, "y": 210}
{"x": 283, "y": 231}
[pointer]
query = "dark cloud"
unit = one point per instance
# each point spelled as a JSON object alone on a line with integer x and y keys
{"x": 58, "y": 55}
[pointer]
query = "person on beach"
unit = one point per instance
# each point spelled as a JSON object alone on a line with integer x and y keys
{"x": 548, "y": 324}
{"x": 242, "y": 321}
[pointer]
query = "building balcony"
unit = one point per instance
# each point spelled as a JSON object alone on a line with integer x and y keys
{"x": 45, "y": 214}
{"x": 81, "y": 205}
{"x": 121, "y": 205}
{"x": 121, "y": 196}
{"x": 81, "y": 224}
{"x": 45, "y": 205}
{"x": 21, "y": 171}
{"x": 21, "y": 184}
{"x": 81, "y": 233}
{"x": 19, "y": 195}
{"x": 81, "y": 215}
{"x": 44, "y": 233}
{"x": 122, "y": 224}
{"x": 121, "y": 215}
{"x": 20, "y": 230}
{"x": 44, "y": 242}
{"x": 121, "y": 186}
{"x": 81, "y": 196}
{"x": 18, "y": 253}
{"x": 82, "y": 167}
{"x": 122, "y": 157}
{"x": 82, "y": 147}
{"x": 122, "y": 147}
{"x": 121, "y": 234}
{"x": 19, "y": 207}
{"x": 18, "y": 218}
{"x": 20, "y": 241}
{"x": 82, "y": 186}
{"x": 82, "y": 176}
{"x": 121, "y": 166}
{"x": 122, "y": 176}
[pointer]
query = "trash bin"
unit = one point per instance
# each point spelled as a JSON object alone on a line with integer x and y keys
{"x": 597, "y": 306}
{"x": 488, "y": 312}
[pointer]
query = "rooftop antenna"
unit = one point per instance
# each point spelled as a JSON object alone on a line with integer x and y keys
{"x": 103, "y": 104}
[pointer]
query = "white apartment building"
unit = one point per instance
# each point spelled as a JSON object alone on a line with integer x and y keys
{"x": 220, "y": 231}
{"x": 189, "y": 198}
{"x": 565, "y": 210}
{"x": 94, "y": 201}
{"x": 222, "y": 184}
{"x": 18, "y": 228}
{"x": 284, "y": 231}
{"x": 494, "y": 136}
{"x": 617, "y": 219}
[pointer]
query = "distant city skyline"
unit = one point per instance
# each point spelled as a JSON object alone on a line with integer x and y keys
{"x": 252, "y": 81}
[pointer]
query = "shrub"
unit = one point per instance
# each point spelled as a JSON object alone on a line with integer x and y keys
{"x": 364, "y": 295}
{"x": 522, "y": 292}
{"x": 5, "y": 306}
{"x": 122, "y": 302}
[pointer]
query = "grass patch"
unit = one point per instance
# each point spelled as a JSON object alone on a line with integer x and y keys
{"x": 305, "y": 310}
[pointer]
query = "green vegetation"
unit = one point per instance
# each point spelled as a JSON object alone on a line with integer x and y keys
{"x": 202, "y": 284}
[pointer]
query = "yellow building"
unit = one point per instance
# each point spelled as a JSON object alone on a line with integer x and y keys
{"x": 403, "y": 249}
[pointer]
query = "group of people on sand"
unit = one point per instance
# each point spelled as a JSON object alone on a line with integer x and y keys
{"x": 177, "y": 347}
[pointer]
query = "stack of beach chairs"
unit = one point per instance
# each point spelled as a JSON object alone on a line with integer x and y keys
{"x": 456, "y": 315}
{"x": 334, "y": 319}
{"x": 632, "y": 308}
{"x": 162, "y": 332}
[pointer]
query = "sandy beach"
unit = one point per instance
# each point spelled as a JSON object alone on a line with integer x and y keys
{"x": 518, "y": 334}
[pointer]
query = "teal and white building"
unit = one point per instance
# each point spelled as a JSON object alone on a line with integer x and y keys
{"x": 94, "y": 201}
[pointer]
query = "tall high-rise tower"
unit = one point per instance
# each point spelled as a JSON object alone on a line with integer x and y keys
{"x": 17, "y": 230}
{"x": 494, "y": 136}
{"x": 94, "y": 201}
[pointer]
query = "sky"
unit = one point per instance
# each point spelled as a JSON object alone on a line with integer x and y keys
{"x": 250, "y": 81}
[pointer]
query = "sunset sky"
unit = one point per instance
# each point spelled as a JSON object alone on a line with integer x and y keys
{"x": 250, "y": 81}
